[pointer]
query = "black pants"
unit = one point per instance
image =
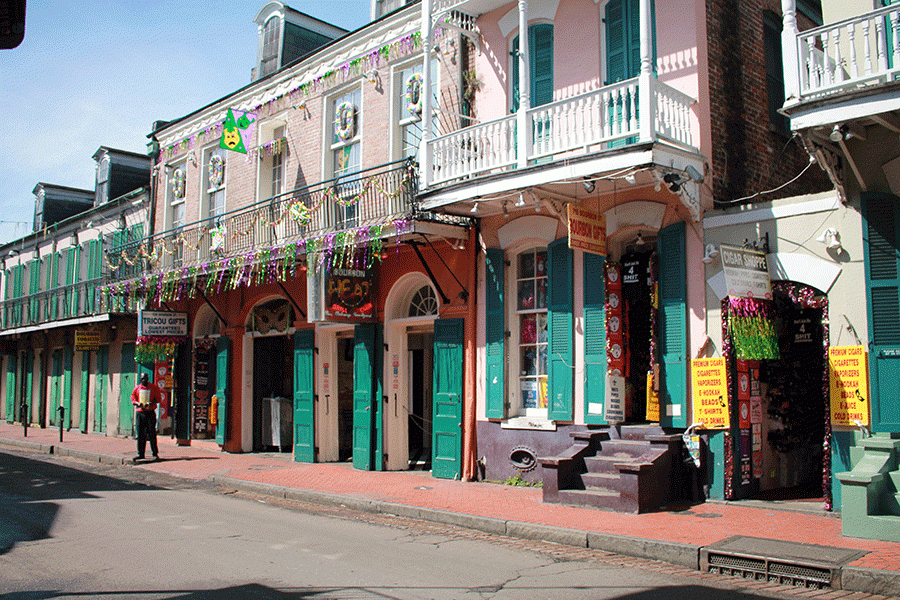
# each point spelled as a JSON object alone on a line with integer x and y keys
{"x": 146, "y": 430}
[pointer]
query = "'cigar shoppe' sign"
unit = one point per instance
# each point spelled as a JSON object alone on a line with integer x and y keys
{"x": 350, "y": 295}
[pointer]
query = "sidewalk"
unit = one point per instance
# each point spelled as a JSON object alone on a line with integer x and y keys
{"x": 673, "y": 536}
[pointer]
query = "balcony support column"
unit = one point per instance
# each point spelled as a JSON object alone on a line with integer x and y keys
{"x": 425, "y": 158}
{"x": 790, "y": 55}
{"x": 524, "y": 137}
{"x": 646, "y": 80}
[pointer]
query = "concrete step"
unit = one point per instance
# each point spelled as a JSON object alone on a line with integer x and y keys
{"x": 602, "y": 499}
{"x": 607, "y": 464}
{"x": 624, "y": 448}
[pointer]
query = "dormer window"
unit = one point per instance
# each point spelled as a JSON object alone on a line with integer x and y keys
{"x": 271, "y": 39}
{"x": 103, "y": 180}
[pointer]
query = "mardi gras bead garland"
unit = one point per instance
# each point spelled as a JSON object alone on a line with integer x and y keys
{"x": 345, "y": 121}
{"x": 752, "y": 327}
{"x": 156, "y": 348}
{"x": 216, "y": 171}
{"x": 178, "y": 180}
{"x": 414, "y": 94}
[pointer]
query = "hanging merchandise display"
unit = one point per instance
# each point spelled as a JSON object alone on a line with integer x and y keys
{"x": 154, "y": 349}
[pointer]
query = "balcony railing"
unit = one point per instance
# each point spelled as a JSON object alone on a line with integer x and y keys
{"x": 849, "y": 54}
{"x": 602, "y": 119}
{"x": 346, "y": 203}
{"x": 60, "y": 304}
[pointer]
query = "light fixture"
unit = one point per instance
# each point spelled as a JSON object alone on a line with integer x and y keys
{"x": 520, "y": 202}
{"x": 301, "y": 106}
{"x": 372, "y": 76}
{"x": 831, "y": 238}
{"x": 639, "y": 240}
{"x": 630, "y": 178}
{"x": 474, "y": 207}
{"x": 537, "y": 206}
{"x": 673, "y": 181}
{"x": 837, "y": 134}
{"x": 589, "y": 185}
{"x": 710, "y": 255}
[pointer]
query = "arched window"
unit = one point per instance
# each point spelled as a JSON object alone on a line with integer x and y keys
{"x": 423, "y": 303}
{"x": 271, "y": 36}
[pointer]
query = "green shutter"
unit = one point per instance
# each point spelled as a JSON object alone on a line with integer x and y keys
{"x": 446, "y": 459}
{"x": 673, "y": 325}
{"x": 34, "y": 286}
{"x": 495, "y": 335}
{"x": 126, "y": 386}
{"x": 102, "y": 385}
{"x": 93, "y": 267}
{"x": 85, "y": 385}
{"x": 69, "y": 305}
{"x": 11, "y": 387}
{"x": 55, "y": 386}
{"x": 559, "y": 345}
{"x": 881, "y": 217}
{"x": 540, "y": 66}
{"x": 594, "y": 339}
{"x": 222, "y": 388}
{"x": 304, "y": 396}
{"x": 366, "y": 397}
{"x": 29, "y": 383}
{"x": 67, "y": 386}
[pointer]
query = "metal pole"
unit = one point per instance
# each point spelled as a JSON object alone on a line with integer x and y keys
{"x": 62, "y": 417}
{"x": 24, "y": 410}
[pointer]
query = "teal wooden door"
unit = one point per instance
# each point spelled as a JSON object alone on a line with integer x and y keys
{"x": 85, "y": 395}
{"x": 102, "y": 379}
{"x": 28, "y": 392}
{"x": 222, "y": 389}
{"x": 367, "y": 415}
{"x": 304, "y": 396}
{"x": 446, "y": 437}
{"x": 66, "y": 385}
{"x": 560, "y": 368}
{"x": 594, "y": 339}
{"x": 55, "y": 386}
{"x": 673, "y": 326}
{"x": 11, "y": 361}
{"x": 126, "y": 386}
{"x": 881, "y": 238}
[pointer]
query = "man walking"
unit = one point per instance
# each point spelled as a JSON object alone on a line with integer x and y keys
{"x": 145, "y": 398}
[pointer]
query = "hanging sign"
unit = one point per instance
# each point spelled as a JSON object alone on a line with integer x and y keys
{"x": 746, "y": 272}
{"x": 350, "y": 295}
{"x": 237, "y": 130}
{"x": 162, "y": 323}
{"x": 87, "y": 341}
{"x": 848, "y": 368}
{"x": 587, "y": 230}
{"x": 615, "y": 399}
{"x": 710, "y": 387}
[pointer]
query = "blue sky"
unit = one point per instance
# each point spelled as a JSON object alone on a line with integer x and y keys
{"x": 99, "y": 72}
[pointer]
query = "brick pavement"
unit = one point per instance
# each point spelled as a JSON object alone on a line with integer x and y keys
{"x": 696, "y": 525}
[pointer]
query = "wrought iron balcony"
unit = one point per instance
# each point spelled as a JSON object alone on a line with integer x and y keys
{"x": 59, "y": 305}
{"x": 343, "y": 205}
{"x": 849, "y": 55}
{"x": 613, "y": 116}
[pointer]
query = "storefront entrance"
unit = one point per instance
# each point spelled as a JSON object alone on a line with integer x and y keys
{"x": 273, "y": 422}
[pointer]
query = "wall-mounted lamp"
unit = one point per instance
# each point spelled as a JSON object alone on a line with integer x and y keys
{"x": 474, "y": 207}
{"x": 520, "y": 202}
{"x": 630, "y": 178}
{"x": 589, "y": 185}
{"x": 639, "y": 240}
{"x": 831, "y": 238}
{"x": 837, "y": 134}
{"x": 710, "y": 255}
{"x": 371, "y": 76}
{"x": 193, "y": 158}
{"x": 301, "y": 106}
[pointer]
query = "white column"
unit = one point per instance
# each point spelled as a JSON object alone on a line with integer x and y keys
{"x": 790, "y": 55}
{"x": 522, "y": 124}
{"x": 646, "y": 80}
{"x": 425, "y": 157}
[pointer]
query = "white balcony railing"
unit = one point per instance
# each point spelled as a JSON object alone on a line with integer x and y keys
{"x": 849, "y": 54}
{"x": 608, "y": 117}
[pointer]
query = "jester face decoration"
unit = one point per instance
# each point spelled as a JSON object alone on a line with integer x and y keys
{"x": 237, "y": 130}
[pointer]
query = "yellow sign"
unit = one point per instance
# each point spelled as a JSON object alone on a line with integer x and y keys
{"x": 710, "y": 385}
{"x": 85, "y": 341}
{"x": 848, "y": 367}
{"x": 587, "y": 230}
{"x": 652, "y": 400}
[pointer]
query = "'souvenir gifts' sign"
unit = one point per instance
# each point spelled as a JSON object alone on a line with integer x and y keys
{"x": 350, "y": 295}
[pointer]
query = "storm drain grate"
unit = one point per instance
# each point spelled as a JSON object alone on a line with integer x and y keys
{"x": 778, "y": 561}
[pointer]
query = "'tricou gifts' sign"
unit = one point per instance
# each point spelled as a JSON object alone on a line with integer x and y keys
{"x": 350, "y": 295}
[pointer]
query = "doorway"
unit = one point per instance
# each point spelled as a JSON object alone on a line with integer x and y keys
{"x": 420, "y": 357}
{"x": 345, "y": 396}
{"x": 273, "y": 416}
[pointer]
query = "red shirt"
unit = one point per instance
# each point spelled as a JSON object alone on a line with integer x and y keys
{"x": 152, "y": 396}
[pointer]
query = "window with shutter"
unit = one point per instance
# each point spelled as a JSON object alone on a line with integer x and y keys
{"x": 594, "y": 339}
{"x": 540, "y": 65}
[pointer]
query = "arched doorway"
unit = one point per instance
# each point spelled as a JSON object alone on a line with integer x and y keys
{"x": 410, "y": 312}
{"x": 272, "y": 422}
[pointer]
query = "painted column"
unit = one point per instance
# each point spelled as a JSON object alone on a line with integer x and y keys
{"x": 425, "y": 91}
{"x": 790, "y": 56}
{"x": 237, "y": 398}
{"x": 522, "y": 125}
{"x": 470, "y": 397}
{"x": 646, "y": 81}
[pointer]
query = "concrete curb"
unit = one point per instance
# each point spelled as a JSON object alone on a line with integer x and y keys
{"x": 853, "y": 579}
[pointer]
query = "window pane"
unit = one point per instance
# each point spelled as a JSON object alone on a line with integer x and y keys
{"x": 528, "y": 333}
{"x": 530, "y": 393}
{"x": 542, "y": 293}
{"x": 542, "y": 360}
{"x": 526, "y": 265}
{"x": 526, "y": 295}
{"x": 528, "y": 362}
{"x": 542, "y": 328}
{"x": 541, "y": 263}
